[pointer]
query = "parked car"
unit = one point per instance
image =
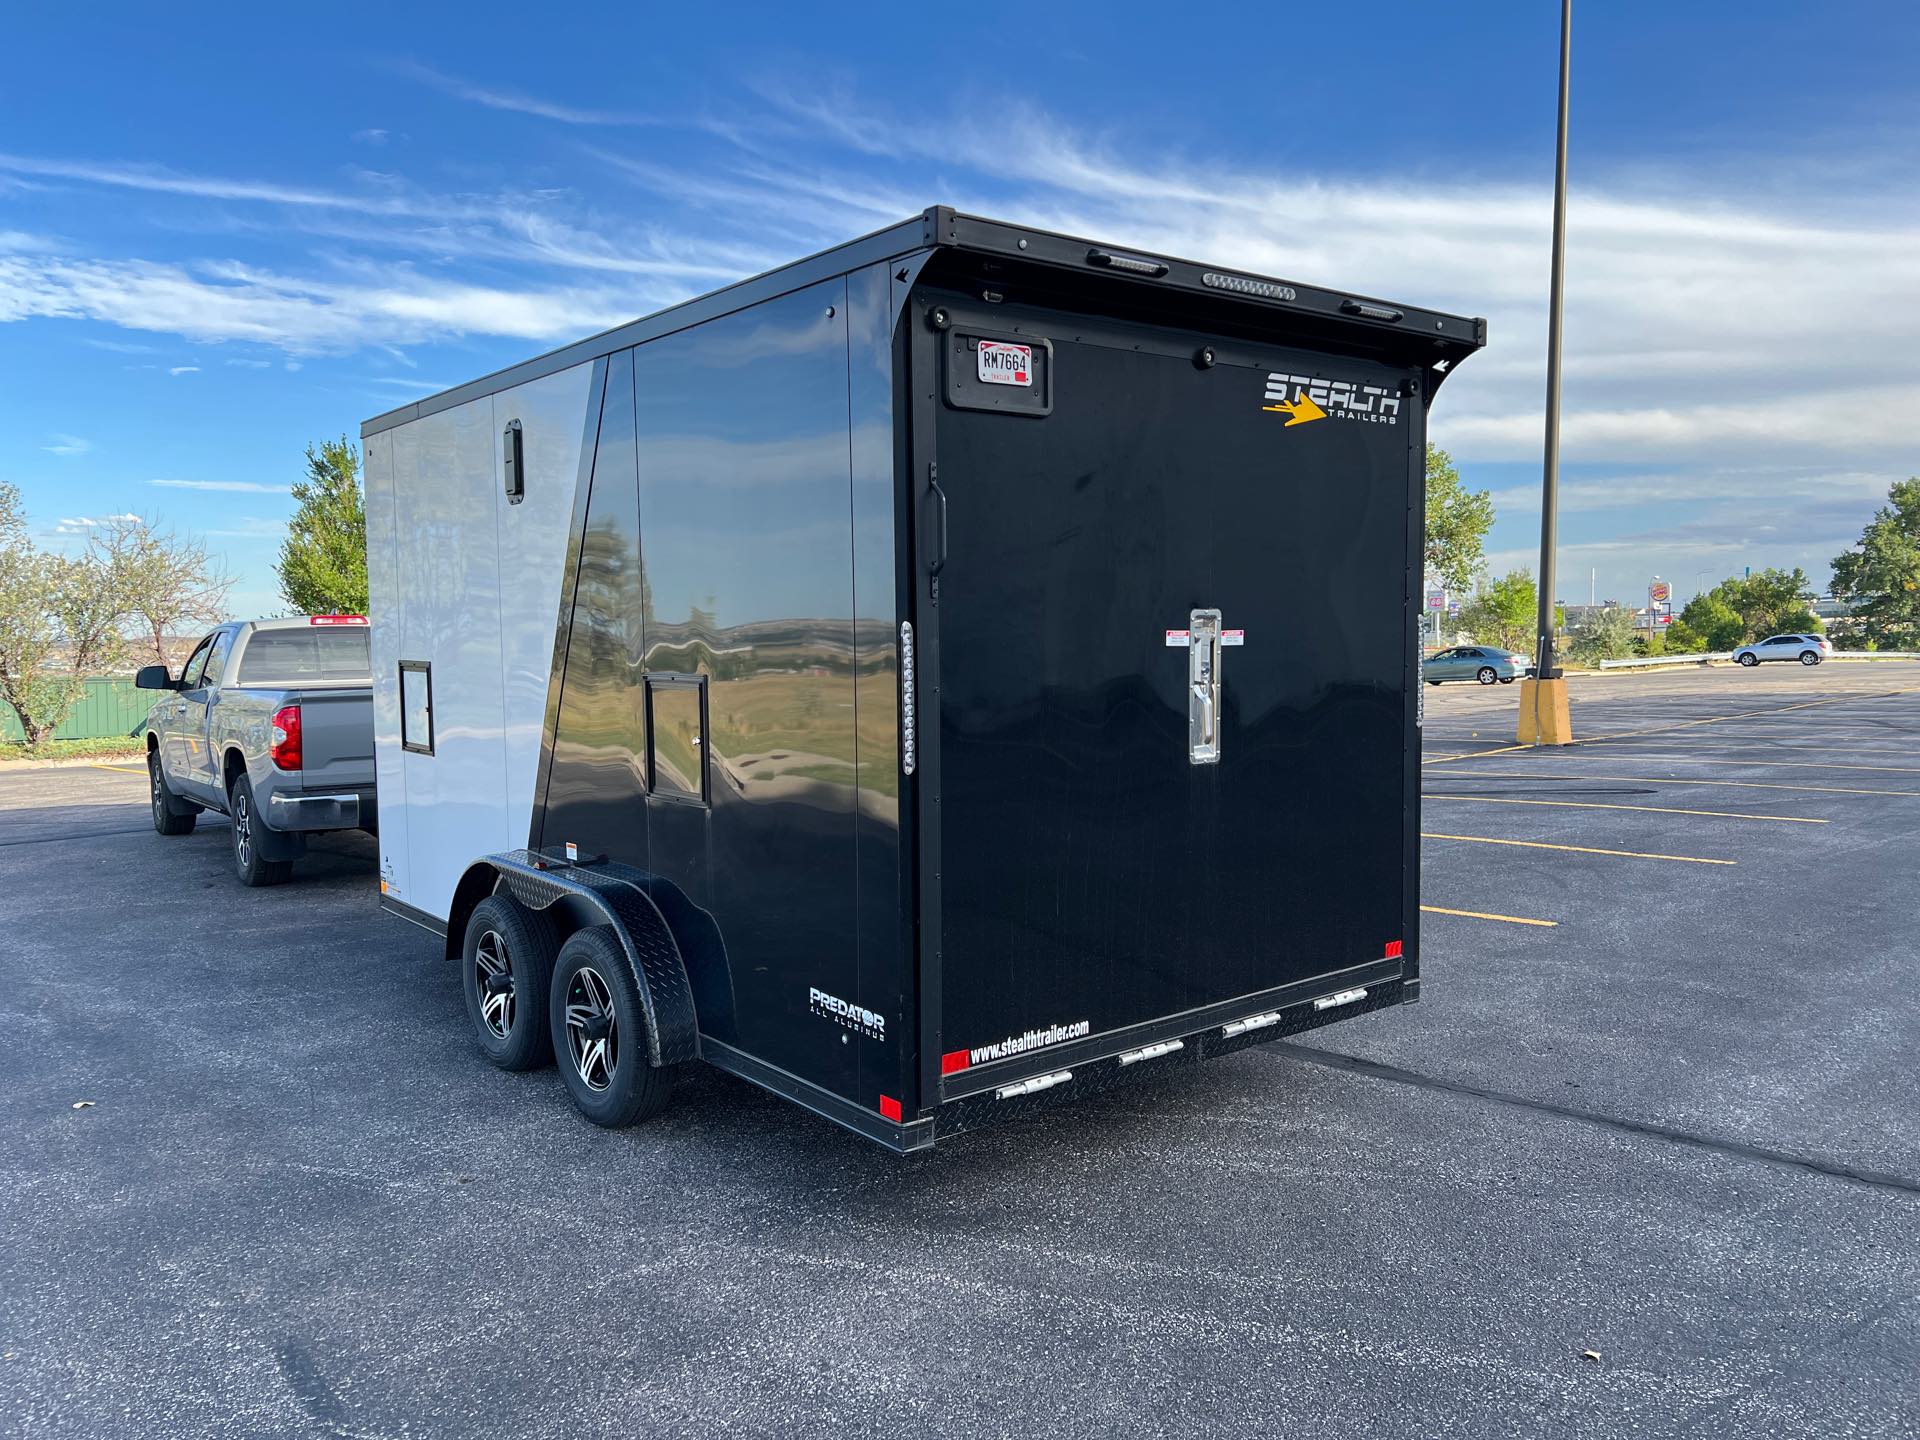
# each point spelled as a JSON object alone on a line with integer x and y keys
{"x": 1484, "y": 663}
{"x": 1807, "y": 649}
{"x": 270, "y": 723}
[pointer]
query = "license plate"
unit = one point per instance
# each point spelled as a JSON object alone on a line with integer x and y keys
{"x": 1003, "y": 364}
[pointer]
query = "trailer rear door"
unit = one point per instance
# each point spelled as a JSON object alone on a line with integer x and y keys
{"x": 1124, "y": 834}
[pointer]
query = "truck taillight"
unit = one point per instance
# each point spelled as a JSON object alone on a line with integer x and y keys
{"x": 285, "y": 748}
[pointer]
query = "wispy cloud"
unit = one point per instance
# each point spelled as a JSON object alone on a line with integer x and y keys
{"x": 183, "y": 369}
{"x": 84, "y": 524}
{"x": 238, "y": 487}
{"x": 68, "y": 445}
{"x": 369, "y": 137}
{"x": 514, "y": 100}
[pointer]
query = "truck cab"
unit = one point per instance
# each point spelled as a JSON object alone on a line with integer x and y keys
{"x": 270, "y": 722}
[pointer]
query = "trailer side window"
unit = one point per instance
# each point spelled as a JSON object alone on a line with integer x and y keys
{"x": 677, "y": 737}
{"x": 416, "y": 706}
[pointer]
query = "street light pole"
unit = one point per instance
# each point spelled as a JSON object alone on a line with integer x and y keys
{"x": 1550, "y": 484}
{"x": 1544, "y": 716}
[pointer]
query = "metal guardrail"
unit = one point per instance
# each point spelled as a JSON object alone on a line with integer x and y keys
{"x": 1640, "y": 662}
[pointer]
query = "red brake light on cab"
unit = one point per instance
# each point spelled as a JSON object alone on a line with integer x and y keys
{"x": 336, "y": 619}
{"x": 285, "y": 746}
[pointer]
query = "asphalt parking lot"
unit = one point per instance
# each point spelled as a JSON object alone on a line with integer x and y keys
{"x": 1658, "y": 1103}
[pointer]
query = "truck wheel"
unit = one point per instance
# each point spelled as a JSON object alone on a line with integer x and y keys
{"x": 506, "y": 970}
{"x": 600, "y": 1032}
{"x": 252, "y": 867}
{"x": 167, "y": 816}
{"x": 1487, "y": 675}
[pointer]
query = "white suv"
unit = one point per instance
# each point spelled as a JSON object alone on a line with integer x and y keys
{"x": 1807, "y": 649}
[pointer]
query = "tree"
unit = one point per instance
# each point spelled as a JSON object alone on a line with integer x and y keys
{"x": 1882, "y": 576}
{"x": 1505, "y": 613}
{"x": 1743, "y": 608}
{"x": 1603, "y": 635}
{"x": 60, "y": 621}
{"x": 169, "y": 584}
{"x": 1683, "y": 639}
{"x": 1457, "y": 523}
{"x": 1717, "y": 624}
{"x": 323, "y": 562}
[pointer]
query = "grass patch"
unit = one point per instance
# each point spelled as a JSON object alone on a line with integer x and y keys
{"x": 108, "y": 747}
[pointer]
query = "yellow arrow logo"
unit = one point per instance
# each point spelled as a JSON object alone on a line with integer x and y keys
{"x": 1299, "y": 412}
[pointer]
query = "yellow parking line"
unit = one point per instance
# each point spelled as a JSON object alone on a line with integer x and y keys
{"x": 1582, "y": 849}
{"x": 1648, "y": 809}
{"x": 117, "y": 769}
{"x": 1669, "y": 780}
{"x": 1483, "y": 915}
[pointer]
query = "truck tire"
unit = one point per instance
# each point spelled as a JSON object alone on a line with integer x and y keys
{"x": 249, "y": 864}
{"x": 600, "y": 1032}
{"x": 170, "y": 816}
{"x": 506, "y": 971}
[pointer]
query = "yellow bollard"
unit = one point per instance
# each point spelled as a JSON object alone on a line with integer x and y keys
{"x": 1544, "y": 719}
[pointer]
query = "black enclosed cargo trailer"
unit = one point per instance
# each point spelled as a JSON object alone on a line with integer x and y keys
{"x": 967, "y": 664}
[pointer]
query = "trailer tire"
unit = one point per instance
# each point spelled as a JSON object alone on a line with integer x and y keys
{"x": 1486, "y": 675}
{"x": 599, "y": 1031}
{"x": 249, "y": 863}
{"x": 170, "y": 816}
{"x": 506, "y": 972}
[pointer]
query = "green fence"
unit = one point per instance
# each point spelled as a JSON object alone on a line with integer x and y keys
{"x": 111, "y": 707}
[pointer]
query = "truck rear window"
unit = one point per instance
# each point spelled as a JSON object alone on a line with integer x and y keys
{"x": 302, "y": 657}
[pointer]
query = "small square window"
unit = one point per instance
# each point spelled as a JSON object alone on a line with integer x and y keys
{"x": 416, "y": 706}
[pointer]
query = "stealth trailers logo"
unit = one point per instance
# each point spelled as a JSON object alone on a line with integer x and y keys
{"x": 1308, "y": 397}
{"x": 1032, "y": 1040}
{"x": 855, "y": 1017}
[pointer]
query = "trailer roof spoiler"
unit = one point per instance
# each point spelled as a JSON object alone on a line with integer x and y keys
{"x": 1430, "y": 339}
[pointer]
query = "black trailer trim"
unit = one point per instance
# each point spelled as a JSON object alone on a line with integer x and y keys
{"x": 976, "y": 1079}
{"x": 1429, "y": 338}
{"x": 416, "y": 916}
{"x": 902, "y": 1138}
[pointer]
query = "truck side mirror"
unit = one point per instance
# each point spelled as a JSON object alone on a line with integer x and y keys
{"x": 153, "y": 677}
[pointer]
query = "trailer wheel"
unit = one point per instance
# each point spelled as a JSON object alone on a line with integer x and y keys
{"x": 249, "y": 864}
{"x": 600, "y": 1032}
{"x": 506, "y": 970}
{"x": 1486, "y": 675}
{"x": 169, "y": 816}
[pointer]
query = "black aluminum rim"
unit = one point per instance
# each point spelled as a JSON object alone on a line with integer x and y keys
{"x": 593, "y": 1031}
{"x": 242, "y": 828}
{"x": 493, "y": 977}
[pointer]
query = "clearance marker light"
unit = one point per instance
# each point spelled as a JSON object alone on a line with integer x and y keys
{"x": 954, "y": 1061}
{"x": 1038, "y": 1082}
{"x": 1152, "y": 1052}
{"x": 1252, "y": 1022}
{"x": 1345, "y": 997}
{"x": 1394, "y": 952}
{"x": 890, "y": 1108}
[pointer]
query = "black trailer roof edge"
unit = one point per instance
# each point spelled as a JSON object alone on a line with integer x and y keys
{"x": 941, "y": 226}
{"x": 884, "y": 244}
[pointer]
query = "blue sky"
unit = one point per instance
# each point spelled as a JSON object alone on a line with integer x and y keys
{"x": 224, "y": 237}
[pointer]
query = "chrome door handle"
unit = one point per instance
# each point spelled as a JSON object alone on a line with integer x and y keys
{"x": 1203, "y": 680}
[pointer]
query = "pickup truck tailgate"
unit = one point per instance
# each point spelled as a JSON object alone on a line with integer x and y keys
{"x": 336, "y": 736}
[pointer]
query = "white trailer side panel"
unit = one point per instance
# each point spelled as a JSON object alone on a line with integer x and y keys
{"x": 469, "y": 584}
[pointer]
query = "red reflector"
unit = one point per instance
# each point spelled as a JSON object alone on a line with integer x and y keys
{"x": 954, "y": 1061}
{"x": 1393, "y": 950}
{"x": 890, "y": 1108}
{"x": 284, "y": 746}
{"x": 336, "y": 619}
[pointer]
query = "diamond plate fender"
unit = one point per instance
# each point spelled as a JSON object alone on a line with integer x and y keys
{"x": 619, "y": 893}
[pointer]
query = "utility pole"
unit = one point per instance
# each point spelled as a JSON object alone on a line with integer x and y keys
{"x": 1543, "y": 707}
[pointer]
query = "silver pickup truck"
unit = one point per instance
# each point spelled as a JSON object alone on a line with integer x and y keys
{"x": 271, "y": 724}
